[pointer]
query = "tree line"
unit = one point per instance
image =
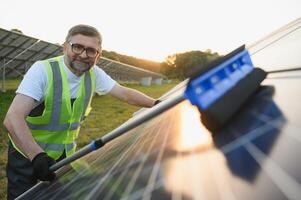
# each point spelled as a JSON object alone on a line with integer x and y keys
{"x": 130, "y": 60}
{"x": 175, "y": 66}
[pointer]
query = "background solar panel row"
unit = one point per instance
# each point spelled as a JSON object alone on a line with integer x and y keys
{"x": 124, "y": 72}
{"x": 18, "y": 52}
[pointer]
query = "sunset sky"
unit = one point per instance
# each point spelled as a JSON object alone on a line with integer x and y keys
{"x": 153, "y": 29}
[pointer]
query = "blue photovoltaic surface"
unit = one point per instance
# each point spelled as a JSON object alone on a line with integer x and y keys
{"x": 256, "y": 156}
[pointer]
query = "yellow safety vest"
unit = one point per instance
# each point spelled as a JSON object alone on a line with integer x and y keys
{"x": 57, "y": 128}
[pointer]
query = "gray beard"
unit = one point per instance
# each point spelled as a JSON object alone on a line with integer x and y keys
{"x": 80, "y": 66}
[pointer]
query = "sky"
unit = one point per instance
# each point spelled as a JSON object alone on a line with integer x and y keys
{"x": 153, "y": 29}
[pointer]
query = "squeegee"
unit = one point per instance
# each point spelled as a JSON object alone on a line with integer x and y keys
{"x": 218, "y": 90}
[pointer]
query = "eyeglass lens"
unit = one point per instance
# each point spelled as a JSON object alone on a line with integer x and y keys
{"x": 79, "y": 49}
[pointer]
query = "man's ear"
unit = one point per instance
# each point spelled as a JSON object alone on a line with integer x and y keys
{"x": 98, "y": 57}
{"x": 65, "y": 46}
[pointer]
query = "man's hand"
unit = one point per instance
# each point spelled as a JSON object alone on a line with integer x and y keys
{"x": 41, "y": 164}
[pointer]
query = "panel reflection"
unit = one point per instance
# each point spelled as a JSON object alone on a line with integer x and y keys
{"x": 192, "y": 134}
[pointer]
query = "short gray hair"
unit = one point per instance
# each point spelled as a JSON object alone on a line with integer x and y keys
{"x": 85, "y": 30}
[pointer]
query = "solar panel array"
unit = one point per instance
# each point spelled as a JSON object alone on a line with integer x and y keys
{"x": 173, "y": 156}
{"x": 18, "y": 52}
{"x": 124, "y": 72}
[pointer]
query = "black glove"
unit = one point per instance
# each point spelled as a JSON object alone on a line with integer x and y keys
{"x": 157, "y": 101}
{"x": 41, "y": 164}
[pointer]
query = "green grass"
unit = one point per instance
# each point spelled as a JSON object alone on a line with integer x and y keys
{"x": 10, "y": 84}
{"x": 107, "y": 114}
{"x": 5, "y": 100}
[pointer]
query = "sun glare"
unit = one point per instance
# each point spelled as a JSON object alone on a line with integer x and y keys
{"x": 193, "y": 135}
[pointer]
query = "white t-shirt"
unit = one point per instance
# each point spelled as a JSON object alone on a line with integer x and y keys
{"x": 35, "y": 82}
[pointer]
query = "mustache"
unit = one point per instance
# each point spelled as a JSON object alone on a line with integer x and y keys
{"x": 80, "y": 61}
{"x": 80, "y": 64}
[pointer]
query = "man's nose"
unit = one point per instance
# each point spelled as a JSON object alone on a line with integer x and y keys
{"x": 84, "y": 54}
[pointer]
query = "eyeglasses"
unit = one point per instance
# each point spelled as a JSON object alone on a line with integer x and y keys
{"x": 79, "y": 49}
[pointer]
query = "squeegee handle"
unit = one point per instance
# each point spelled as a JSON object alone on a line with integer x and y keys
{"x": 84, "y": 151}
{"x": 163, "y": 106}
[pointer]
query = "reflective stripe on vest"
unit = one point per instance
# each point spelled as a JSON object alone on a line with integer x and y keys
{"x": 56, "y": 147}
{"x": 56, "y": 106}
{"x": 88, "y": 90}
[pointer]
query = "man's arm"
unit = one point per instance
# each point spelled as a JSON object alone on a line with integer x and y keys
{"x": 17, "y": 127}
{"x": 131, "y": 96}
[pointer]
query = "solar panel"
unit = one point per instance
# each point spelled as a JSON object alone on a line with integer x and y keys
{"x": 173, "y": 156}
{"x": 18, "y": 52}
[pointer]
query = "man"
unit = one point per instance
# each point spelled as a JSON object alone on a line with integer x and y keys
{"x": 51, "y": 101}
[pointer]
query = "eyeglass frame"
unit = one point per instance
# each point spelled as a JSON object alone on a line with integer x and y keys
{"x": 84, "y": 49}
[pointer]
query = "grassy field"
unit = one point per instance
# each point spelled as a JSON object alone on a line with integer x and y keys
{"x": 107, "y": 114}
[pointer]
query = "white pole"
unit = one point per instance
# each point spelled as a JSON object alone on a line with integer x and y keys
{"x": 3, "y": 76}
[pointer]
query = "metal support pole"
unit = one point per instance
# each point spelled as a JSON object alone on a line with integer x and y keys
{"x": 25, "y": 67}
{"x": 3, "y": 76}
